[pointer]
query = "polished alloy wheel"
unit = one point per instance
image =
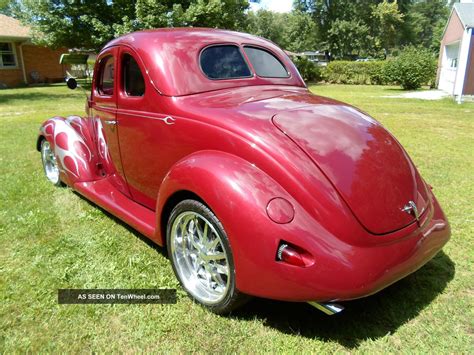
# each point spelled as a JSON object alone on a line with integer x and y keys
{"x": 50, "y": 164}
{"x": 199, "y": 257}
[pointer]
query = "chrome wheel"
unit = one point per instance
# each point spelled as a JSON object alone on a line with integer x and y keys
{"x": 50, "y": 164}
{"x": 199, "y": 257}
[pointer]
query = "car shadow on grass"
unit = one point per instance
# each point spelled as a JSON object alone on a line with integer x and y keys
{"x": 364, "y": 319}
{"x": 159, "y": 249}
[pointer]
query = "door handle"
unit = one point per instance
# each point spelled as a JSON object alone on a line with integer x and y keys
{"x": 111, "y": 122}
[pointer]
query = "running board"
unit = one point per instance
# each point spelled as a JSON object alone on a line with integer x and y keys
{"x": 328, "y": 308}
{"x": 104, "y": 194}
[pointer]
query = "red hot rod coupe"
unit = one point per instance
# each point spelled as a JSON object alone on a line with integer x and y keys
{"x": 209, "y": 143}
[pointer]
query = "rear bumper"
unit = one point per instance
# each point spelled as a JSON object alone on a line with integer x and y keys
{"x": 343, "y": 271}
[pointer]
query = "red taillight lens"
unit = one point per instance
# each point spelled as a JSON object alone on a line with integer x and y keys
{"x": 290, "y": 255}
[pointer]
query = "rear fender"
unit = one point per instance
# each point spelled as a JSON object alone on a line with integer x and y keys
{"x": 73, "y": 145}
{"x": 238, "y": 192}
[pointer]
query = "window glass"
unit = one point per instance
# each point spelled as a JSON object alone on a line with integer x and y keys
{"x": 224, "y": 62}
{"x": 7, "y": 55}
{"x": 265, "y": 63}
{"x": 106, "y": 83}
{"x": 133, "y": 82}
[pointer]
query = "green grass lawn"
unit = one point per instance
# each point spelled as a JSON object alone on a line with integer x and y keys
{"x": 51, "y": 238}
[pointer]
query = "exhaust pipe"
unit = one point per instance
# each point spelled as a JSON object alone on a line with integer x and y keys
{"x": 328, "y": 308}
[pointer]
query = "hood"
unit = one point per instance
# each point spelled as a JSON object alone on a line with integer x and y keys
{"x": 364, "y": 162}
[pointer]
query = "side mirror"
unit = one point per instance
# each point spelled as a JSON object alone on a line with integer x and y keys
{"x": 71, "y": 83}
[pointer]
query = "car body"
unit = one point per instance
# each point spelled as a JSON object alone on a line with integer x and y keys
{"x": 310, "y": 199}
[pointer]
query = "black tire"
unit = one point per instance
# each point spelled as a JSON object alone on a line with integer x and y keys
{"x": 231, "y": 297}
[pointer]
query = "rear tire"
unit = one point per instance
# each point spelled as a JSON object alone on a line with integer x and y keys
{"x": 201, "y": 257}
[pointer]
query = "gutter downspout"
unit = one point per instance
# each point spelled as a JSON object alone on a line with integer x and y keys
{"x": 23, "y": 64}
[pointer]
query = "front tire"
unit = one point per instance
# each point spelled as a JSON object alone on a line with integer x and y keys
{"x": 201, "y": 257}
{"x": 50, "y": 165}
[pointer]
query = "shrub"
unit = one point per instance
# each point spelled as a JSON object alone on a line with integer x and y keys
{"x": 308, "y": 70}
{"x": 412, "y": 68}
{"x": 346, "y": 72}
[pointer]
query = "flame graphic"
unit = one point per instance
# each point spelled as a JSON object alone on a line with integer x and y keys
{"x": 68, "y": 144}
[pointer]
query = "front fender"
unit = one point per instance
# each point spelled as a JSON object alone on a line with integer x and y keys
{"x": 72, "y": 143}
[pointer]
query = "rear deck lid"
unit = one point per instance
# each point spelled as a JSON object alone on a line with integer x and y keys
{"x": 364, "y": 162}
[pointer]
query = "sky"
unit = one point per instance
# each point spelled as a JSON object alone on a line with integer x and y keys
{"x": 273, "y": 5}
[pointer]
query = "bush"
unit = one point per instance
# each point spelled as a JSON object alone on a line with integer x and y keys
{"x": 308, "y": 70}
{"x": 345, "y": 72}
{"x": 413, "y": 68}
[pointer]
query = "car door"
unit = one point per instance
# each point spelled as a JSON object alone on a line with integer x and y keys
{"x": 104, "y": 115}
{"x": 146, "y": 136}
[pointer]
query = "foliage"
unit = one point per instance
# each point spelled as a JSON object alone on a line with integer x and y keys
{"x": 295, "y": 31}
{"x": 412, "y": 68}
{"x": 308, "y": 70}
{"x": 348, "y": 38}
{"x": 348, "y": 72}
{"x": 51, "y": 238}
{"x": 386, "y": 20}
{"x": 379, "y": 26}
{"x": 5, "y": 7}
{"x": 425, "y": 22}
{"x": 92, "y": 23}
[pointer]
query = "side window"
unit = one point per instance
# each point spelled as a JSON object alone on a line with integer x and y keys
{"x": 133, "y": 82}
{"x": 265, "y": 63}
{"x": 106, "y": 82}
{"x": 224, "y": 62}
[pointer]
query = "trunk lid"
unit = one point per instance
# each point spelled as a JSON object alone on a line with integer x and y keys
{"x": 364, "y": 162}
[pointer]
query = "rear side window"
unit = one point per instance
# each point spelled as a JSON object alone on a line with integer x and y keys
{"x": 224, "y": 62}
{"x": 265, "y": 63}
{"x": 133, "y": 82}
{"x": 106, "y": 82}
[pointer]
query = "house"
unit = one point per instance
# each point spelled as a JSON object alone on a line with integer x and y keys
{"x": 456, "y": 58}
{"x": 22, "y": 62}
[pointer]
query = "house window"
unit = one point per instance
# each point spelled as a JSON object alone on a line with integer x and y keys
{"x": 7, "y": 55}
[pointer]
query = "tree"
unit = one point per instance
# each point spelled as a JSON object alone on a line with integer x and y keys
{"x": 5, "y": 7}
{"x": 348, "y": 39}
{"x": 425, "y": 21}
{"x": 386, "y": 21}
{"x": 295, "y": 31}
{"x": 92, "y": 23}
{"x": 300, "y": 32}
{"x": 267, "y": 24}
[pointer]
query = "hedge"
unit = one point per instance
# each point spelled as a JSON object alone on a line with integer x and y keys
{"x": 413, "y": 68}
{"x": 359, "y": 73}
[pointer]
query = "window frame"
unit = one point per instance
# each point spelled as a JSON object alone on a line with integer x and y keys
{"x": 225, "y": 44}
{"x": 15, "y": 57}
{"x": 273, "y": 55}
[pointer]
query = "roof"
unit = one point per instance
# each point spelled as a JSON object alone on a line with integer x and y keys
{"x": 12, "y": 28}
{"x": 465, "y": 12}
{"x": 170, "y": 56}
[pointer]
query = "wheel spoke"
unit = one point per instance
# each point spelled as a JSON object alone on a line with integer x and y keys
{"x": 222, "y": 269}
{"x": 216, "y": 256}
{"x": 200, "y": 257}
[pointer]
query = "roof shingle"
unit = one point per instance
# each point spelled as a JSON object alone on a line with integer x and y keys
{"x": 12, "y": 28}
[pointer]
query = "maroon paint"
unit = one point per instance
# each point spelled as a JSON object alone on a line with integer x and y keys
{"x": 273, "y": 161}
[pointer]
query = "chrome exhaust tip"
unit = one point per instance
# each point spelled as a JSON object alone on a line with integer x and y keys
{"x": 328, "y": 308}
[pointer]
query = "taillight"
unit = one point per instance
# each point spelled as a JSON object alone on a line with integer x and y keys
{"x": 294, "y": 255}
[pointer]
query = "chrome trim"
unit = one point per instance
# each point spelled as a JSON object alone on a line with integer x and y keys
{"x": 328, "y": 308}
{"x": 411, "y": 208}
